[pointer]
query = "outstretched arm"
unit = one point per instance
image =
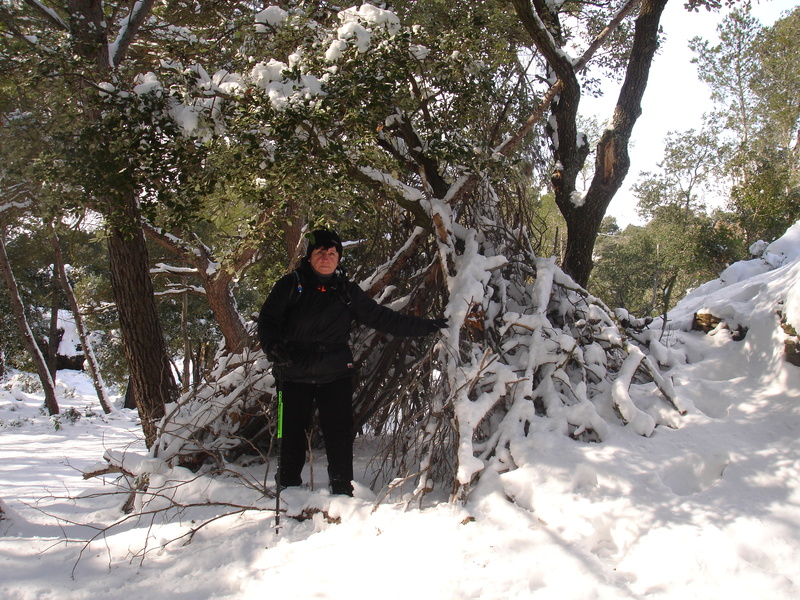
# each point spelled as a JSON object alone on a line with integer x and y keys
{"x": 370, "y": 313}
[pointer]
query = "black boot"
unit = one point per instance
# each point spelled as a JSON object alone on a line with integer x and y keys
{"x": 342, "y": 488}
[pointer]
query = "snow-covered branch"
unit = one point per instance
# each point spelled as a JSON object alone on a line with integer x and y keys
{"x": 129, "y": 27}
{"x": 50, "y": 14}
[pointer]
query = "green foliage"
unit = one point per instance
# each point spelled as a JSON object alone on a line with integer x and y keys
{"x": 547, "y": 226}
{"x": 624, "y": 270}
{"x": 648, "y": 269}
{"x": 729, "y": 67}
{"x": 754, "y": 74}
{"x": 133, "y": 144}
{"x": 691, "y": 160}
{"x": 779, "y": 79}
{"x": 767, "y": 198}
{"x": 719, "y": 242}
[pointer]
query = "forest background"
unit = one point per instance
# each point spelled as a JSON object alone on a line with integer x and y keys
{"x": 163, "y": 161}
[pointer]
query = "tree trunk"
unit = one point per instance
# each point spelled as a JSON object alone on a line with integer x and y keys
{"x": 203, "y": 356}
{"x": 293, "y": 232}
{"x": 612, "y": 161}
{"x": 88, "y": 351}
{"x": 226, "y": 313}
{"x": 151, "y": 380}
{"x": 53, "y": 338}
{"x": 583, "y": 218}
{"x": 187, "y": 342}
{"x": 17, "y": 307}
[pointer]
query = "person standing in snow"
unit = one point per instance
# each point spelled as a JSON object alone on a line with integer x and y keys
{"x": 304, "y": 329}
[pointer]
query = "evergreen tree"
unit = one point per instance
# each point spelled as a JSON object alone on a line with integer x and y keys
{"x": 64, "y": 64}
{"x": 753, "y": 73}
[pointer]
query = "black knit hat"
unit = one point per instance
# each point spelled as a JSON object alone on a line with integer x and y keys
{"x": 323, "y": 238}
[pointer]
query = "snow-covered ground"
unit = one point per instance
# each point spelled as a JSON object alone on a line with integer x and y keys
{"x": 708, "y": 509}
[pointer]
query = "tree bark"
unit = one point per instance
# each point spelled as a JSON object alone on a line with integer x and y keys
{"x": 293, "y": 233}
{"x": 18, "y": 308}
{"x": 87, "y": 26}
{"x": 187, "y": 342}
{"x": 151, "y": 379}
{"x": 91, "y": 360}
{"x": 226, "y": 313}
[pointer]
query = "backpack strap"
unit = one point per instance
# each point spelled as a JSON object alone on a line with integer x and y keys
{"x": 344, "y": 295}
{"x": 296, "y": 291}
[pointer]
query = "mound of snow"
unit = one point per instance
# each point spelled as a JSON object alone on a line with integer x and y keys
{"x": 751, "y": 292}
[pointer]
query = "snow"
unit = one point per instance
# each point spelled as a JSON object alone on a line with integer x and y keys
{"x": 787, "y": 246}
{"x": 335, "y": 51}
{"x": 187, "y": 117}
{"x": 372, "y": 15}
{"x": 362, "y": 35}
{"x": 282, "y": 92}
{"x": 419, "y": 52}
{"x": 751, "y": 292}
{"x": 70, "y": 340}
{"x": 358, "y": 24}
{"x": 146, "y": 83}
{"x": 708, "y": 507}
{"x": 272, "y": 15}
{"x": 578, "y": 198}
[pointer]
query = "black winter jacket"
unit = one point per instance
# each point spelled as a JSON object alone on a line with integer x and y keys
{"x": 314, "y": 318}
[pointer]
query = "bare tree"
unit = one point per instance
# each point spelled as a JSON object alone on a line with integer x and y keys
{"x": 27, "y": 335}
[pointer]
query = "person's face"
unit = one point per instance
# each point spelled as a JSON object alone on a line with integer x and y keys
{"x": 324, "y": 260}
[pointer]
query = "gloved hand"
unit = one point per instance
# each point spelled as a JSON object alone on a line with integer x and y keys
{"x": 435, "y": 325}
{"x": 278, "y": 353}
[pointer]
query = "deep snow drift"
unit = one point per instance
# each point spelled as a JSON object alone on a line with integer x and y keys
{"x": 707, "y": 508}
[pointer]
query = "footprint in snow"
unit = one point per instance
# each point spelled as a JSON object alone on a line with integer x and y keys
{"x": 693, "y": 473}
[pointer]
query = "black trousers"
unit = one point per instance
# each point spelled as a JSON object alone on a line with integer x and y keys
{"x": 335, "y": 404}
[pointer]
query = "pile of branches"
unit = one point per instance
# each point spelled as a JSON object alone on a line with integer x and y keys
{"x": 527, "y": 350}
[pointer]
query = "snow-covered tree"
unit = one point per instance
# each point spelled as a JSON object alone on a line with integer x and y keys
{"x": 77, "y": 46}
{"x": 364, "y": 104}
